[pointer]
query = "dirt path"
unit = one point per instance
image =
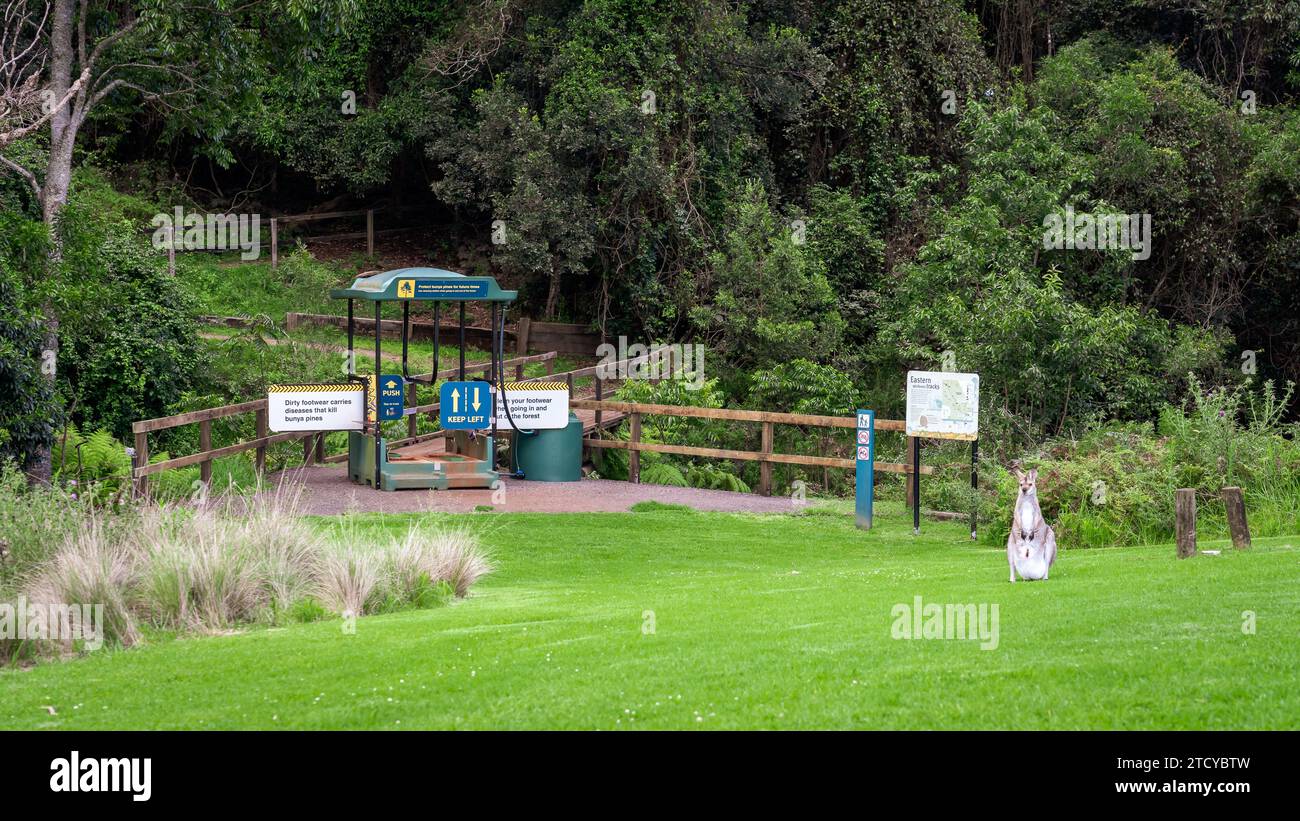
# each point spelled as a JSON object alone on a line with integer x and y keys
{"x": 328, "y": 492}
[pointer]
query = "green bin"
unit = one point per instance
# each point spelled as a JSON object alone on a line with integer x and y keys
{"x": 549, "y": 455}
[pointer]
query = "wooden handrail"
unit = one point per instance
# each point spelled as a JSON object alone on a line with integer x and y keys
{"x": 749, "y": 455}
{"x": 733, "y": 414}
{"x": 635, "y": 411}
{"x": 165, "y": 422}
{"x": 190, "y": 417}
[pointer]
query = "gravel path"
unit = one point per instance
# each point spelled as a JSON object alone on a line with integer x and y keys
{"x": 328, "y": 492}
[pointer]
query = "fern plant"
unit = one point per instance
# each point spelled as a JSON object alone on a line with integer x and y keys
{"x": 663, "y": 473}
{"x": 712, "y": 477}
{"x": 97, "y": 466}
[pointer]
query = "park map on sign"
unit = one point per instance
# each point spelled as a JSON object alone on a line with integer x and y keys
{"x": 942, "y": 405}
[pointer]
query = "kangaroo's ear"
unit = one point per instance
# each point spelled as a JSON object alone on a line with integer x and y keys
{"x": 1033, "y": 475}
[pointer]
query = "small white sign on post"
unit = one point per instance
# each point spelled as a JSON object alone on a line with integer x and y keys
{"x": 942, "y": 405}
{"x": 533, "y": 406}
{"x": 316, "y": 407}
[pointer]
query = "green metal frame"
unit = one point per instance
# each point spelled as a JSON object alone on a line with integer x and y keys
{"x": 368, "y": 461}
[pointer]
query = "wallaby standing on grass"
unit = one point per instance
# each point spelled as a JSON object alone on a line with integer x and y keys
{"x": 1031, "y": 545}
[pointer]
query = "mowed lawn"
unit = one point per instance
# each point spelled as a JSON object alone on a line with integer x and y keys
{"x": 758, "y": 622}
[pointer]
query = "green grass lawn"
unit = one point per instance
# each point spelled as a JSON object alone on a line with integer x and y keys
{"x": 767, "y": 622}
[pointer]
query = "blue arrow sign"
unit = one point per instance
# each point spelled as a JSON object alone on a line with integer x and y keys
{"x": 391, "y": 398}
{"x": 465, "y": 405}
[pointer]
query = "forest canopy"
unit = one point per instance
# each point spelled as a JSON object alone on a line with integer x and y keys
{"x": 811, "y": 189}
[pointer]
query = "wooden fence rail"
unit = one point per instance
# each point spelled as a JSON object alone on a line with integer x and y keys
{"x": 141, "y": 470}
{"x": 612, "y": 411}
{"x": 369, "y": 233}
{"x": 635, "y": 411}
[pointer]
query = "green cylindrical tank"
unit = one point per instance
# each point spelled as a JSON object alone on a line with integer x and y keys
{"x": 549, "y": 455}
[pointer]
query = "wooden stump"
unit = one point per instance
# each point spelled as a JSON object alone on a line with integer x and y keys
{"x": 1235, "y": 505}
{"x": 1185, "y": 521}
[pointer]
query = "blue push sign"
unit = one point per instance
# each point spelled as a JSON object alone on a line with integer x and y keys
{"x": 465, "y": 405}
{"x": 391, "y": 398}
{"x": 865, "y": 479}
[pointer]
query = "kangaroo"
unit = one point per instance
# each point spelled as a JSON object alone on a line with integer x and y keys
{"x": 1031, "y": 545}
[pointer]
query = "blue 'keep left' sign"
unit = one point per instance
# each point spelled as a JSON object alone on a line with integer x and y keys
{"x": 465, "y": 405}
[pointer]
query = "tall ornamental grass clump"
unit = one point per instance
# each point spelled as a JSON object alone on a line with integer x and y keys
{"x": 242, "y": 561}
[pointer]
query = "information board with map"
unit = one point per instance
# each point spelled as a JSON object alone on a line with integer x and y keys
{"x": 943, "y": 405}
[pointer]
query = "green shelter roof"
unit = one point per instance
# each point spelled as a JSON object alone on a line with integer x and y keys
{"x": 424, "y": 283}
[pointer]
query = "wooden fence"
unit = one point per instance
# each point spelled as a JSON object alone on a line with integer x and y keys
{"x": 562, "y": 337}
{"x": 605, "y": 413}
{"x": 765, "y": 456}
{"x": 313, "y": 441}
{"x": 369, "y": 233}
{"x": 290, "y": 219}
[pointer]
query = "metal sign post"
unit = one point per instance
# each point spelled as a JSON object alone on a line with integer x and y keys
{"x": 865, "y": 477}
{"x": 941, "y": 405}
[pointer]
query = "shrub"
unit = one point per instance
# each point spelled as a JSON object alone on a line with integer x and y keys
{"x": 129, "y": 341}
{"x": 1115, "y": 485}
{"x": 28, "y": 412}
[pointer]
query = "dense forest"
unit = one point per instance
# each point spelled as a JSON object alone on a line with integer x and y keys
{"x": 825, "y": 194}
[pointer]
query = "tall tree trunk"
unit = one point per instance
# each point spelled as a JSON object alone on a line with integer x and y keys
{"x": 553, "y": 291}
{"x": 54, "y": 195}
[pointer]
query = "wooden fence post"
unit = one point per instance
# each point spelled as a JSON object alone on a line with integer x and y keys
{"x": 550, "y": 367}
{"x": 260, "y": 460}
{"x": 275, "y": 242}
{"x": 205, "y": 444}
{"x": 1185, "y": 521}
{"x": 600, "y": 390}
{"x": 320, "y": 448}
{"x": 522, "y": 328}
{"x": 634, "y": 456}
{"x": 765, "y": 467}
{"x": 1235, "y": 506}
{"x": 370, "y": 232}
{"x": 139, "y": 460}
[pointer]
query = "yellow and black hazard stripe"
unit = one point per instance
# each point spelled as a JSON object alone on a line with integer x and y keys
{"x": 535, "y": 386}
{"x": 339, "y": 387}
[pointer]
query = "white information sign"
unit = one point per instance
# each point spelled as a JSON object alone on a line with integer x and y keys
{"x": 534, "y": 406}
{"x": 943, "y": 405}
{"x": 316, "y": 407}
